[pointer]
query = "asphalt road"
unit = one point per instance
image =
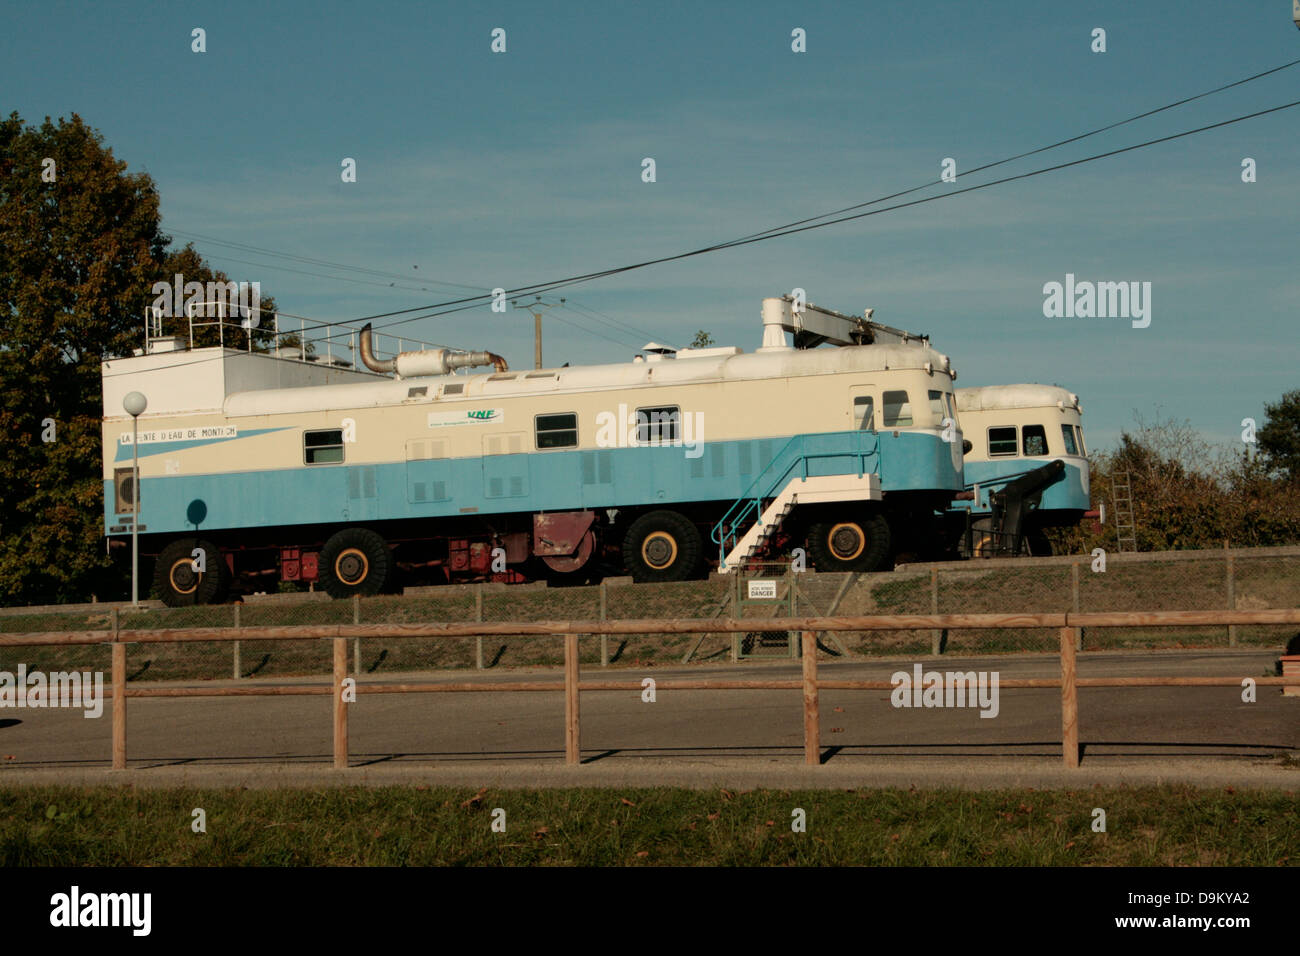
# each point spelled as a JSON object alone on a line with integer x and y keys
{"x": 1139, "y": 734}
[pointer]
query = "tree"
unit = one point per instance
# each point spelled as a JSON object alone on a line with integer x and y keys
{"x": 702, "y": 340}
{"x": 80, "y": 250}
{"x": 1279, "y": 437}
{"x": 1187, "y": 494}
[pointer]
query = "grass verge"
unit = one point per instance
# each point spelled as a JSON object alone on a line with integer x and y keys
{"x": 415, "y": 825}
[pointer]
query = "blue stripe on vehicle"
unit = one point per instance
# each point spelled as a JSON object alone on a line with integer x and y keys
{"x": 163, "y": 447}
{"x": 562, "y": 480}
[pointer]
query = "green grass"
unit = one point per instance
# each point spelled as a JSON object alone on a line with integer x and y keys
{"x": 1155, "y": 826}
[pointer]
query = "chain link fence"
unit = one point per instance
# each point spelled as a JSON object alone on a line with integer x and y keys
{"x": 1244, "y": 579}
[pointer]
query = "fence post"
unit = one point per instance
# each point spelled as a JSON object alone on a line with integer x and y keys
{"x": 572, "y": 750}
{"x": 478, "y": 619}
{"x": 604, "y": 638}
{"x": 119, "y": 698}
{"x": 936, "y": 636}
{"x": 340, "y": 708}
{"x": 235, "y": 661}
{"x": 1232, "y": 590}
{"x": 1069, "y": 700}
{"x": 812, "y": 729}
{"x": 736, "y": 637}
{"x": 356, "y": 641}
{"x": 1074, "y": 602}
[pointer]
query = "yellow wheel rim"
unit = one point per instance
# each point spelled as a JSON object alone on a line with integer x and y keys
{"x": 351, "y": 566}
{"x": 195, "y": 576}
{"x": 659, "y": 550}
{"x": 841, "y": 530}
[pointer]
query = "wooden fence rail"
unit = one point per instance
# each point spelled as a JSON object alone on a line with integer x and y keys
{"x": 572, "y": 685}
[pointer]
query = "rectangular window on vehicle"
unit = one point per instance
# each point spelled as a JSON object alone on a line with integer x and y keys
{"x": 323, "y": 447}
{"x": 557, "y": 431}
{"x": 937, "y": 407}
{"x": 1067, "y": 433}
{"x": 1002, "y": 440}
{"x": 1035, "y": 439}
{"x": 655, "y": 426}
{"x": 1078, "y": 434}
{"x": 864, "y": 413}
{"x": 898, "y": 409}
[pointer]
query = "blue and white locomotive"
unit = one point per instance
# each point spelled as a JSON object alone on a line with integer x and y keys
{"x": 280, "y": 464}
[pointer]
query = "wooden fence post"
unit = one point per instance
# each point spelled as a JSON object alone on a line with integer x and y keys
{"x": 604, "y": 638}
{"x": 812, "y": 730}
{"x": 235, "y": 660}
{"x": 119, "y": 698}
{"x": 478, "y": 619}
{"x": 340, "y": 708}
{"x": 1069, "y": 700}
{"x": 736, "y": 636}
{"x": 936, "y": 635}
{"x": 572, "y": 739}
{"x": 1232, "y": 590}
{"x": 356, "y": 641}
{"x": 1074, "y": 602}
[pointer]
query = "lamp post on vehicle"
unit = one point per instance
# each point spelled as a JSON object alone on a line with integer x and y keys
{"x": 135, "y": 404}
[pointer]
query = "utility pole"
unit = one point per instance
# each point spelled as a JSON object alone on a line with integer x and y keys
{"x": 536, "y": 307}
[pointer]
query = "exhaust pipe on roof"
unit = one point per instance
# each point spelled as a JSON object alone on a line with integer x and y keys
{"x": 368, "y": 354}
{"x": 425, "y": 362}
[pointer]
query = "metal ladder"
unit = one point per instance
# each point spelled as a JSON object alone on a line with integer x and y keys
{"x": 1125, "y": 526}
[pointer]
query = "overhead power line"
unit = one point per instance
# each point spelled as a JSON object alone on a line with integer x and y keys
{"x": 457, "y": 305}
{"x": 309, "y": 260}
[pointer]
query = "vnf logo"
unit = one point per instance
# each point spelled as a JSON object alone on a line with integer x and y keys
{"x": 103, "y": 909}
{"x": 482, "y": 414}
{"x": 953, "y": 689}
{"x": 58, "y": 689}
{"x": 240, "y": 299}
{"x": 651, "y": 426}
{"x": 1104, "y": 300}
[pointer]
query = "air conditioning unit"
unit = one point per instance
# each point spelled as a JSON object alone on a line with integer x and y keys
{"x": 123, "y": 491}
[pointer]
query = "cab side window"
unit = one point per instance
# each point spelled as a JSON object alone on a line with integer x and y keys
{"x": 1035, "y": 440}
{"x": 1002, "y": 441}
{"x": 864, "y": 413}
{"x": 897, "y": 408}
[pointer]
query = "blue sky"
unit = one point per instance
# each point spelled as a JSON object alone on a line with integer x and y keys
{"x": 491, "y": 170}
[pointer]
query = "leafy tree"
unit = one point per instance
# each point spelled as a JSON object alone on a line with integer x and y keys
{"x": 702, "y": 340}
{"x": 80, "y": 250}
{"x": 79, "y": 254}
{"x": 1279, "y": 437}
{"x": 1186, "y": 494}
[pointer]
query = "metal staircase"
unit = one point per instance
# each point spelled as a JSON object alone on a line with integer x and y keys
{"x": 786, "y": 482}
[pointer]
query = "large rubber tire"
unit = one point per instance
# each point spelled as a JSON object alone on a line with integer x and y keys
{"x": 662, "y": 546}
{"x": 179, "y": 585}
{"x": 857, "y": 544}
{"x": 354, "y": 561}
